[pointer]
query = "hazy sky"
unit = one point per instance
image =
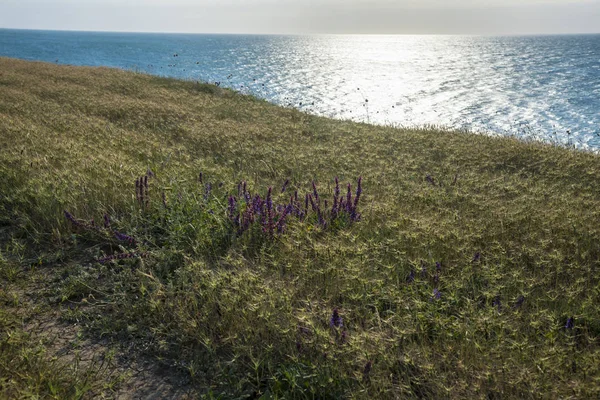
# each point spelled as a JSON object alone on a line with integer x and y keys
{"x": 307, "y": 16}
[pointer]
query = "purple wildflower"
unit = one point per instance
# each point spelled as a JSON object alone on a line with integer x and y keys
{"x": 438, "y": 266}
{"x": 247, "y": 196}
{"x": 336, "y": 196}
{"x": 437, "y": 294}
{"x": 367, "y": 370}
{"x": 125, "y": 238}
{"x": 570, "y": 323}
{"x": 411, "y": 276}
{"x": 257, "y": 205}
{"x": 146, "y": 190}
{"x": 349, "y": 200}
{"x": 106, "y": 221}
{"x": 72, "y": 219}
{"x": 497, "y": 303}
{"x": 285, "y": 185}
{"x": 358, "y": 192}
{"x": 247, "y": 219}
{"x": 269, "y": 204}
{"x": 336, "y": 320}
{"x": 281, "y": 221}
{"x": 519, "y": 301}
{"x": 312, "y": 202}
{"x": 232, "y": 210}
{"x": 315, "y": 193}
{"x": 476, "y": 257}
{"x": 306, "y": 204}
{"x": 320, "y": 218}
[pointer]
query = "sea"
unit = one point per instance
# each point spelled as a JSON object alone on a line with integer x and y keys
{"x": 533, "y": 87}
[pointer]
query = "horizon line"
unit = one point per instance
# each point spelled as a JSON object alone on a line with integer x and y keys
{"x": 305, "y": 33}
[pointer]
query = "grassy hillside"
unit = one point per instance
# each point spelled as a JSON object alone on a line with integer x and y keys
{"x": 468, "y": 268}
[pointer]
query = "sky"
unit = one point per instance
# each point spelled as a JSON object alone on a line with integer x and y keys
{"x": 488, "y": 17}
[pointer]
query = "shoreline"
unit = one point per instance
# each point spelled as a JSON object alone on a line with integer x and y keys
{"x": 500, "y": 95}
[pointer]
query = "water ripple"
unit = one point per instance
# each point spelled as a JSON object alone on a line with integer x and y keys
{"x": 530, "y": 86}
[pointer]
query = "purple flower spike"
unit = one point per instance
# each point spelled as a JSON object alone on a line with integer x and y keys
{"x": 269, "y": 200}
{"x": 137, "y": 190}
{"x": 497, "y": 303}
{"x": 269, "y": 204}
{"x": 476, "y": 257}
{"x": 349, "y": 200}
{"x": 336, "y": 199}
{"x": 285, "y": 185}
{"x": 411, "y": 277}
{"x": 312, "y": 202}
{"x": 437, "y": 294}
{"x": 124, "y": 238}
{"x": 358, "y": 192}
{"x": 232, "y": 208}
{"x": 438, "y": 266}
{"x": 519, "y": 301}
{"x": 106, "y": 221}
{"x": 71, "y": 218}
{"x": 315, "y": 193}
{"x": 336, "y": 320}
{"x": 281, "y": 221}
{"x": 570, "y": 323}
{"x": 367, "y": 369}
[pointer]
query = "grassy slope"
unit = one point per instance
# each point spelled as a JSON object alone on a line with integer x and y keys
{"x": 249, "y": 316}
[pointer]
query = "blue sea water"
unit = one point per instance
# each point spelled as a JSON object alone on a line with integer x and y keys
{"x": 545, "y": 87}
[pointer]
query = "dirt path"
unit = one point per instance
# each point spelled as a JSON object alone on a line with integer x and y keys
{"x": 115, "y": 370}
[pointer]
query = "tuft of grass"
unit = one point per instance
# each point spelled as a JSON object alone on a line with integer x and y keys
{"x": 472, "y": 272}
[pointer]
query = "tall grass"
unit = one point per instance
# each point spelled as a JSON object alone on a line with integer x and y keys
{"x": 471, "y": 272}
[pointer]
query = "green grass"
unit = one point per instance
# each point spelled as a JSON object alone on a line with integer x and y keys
{"x": 246, "y": 315}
